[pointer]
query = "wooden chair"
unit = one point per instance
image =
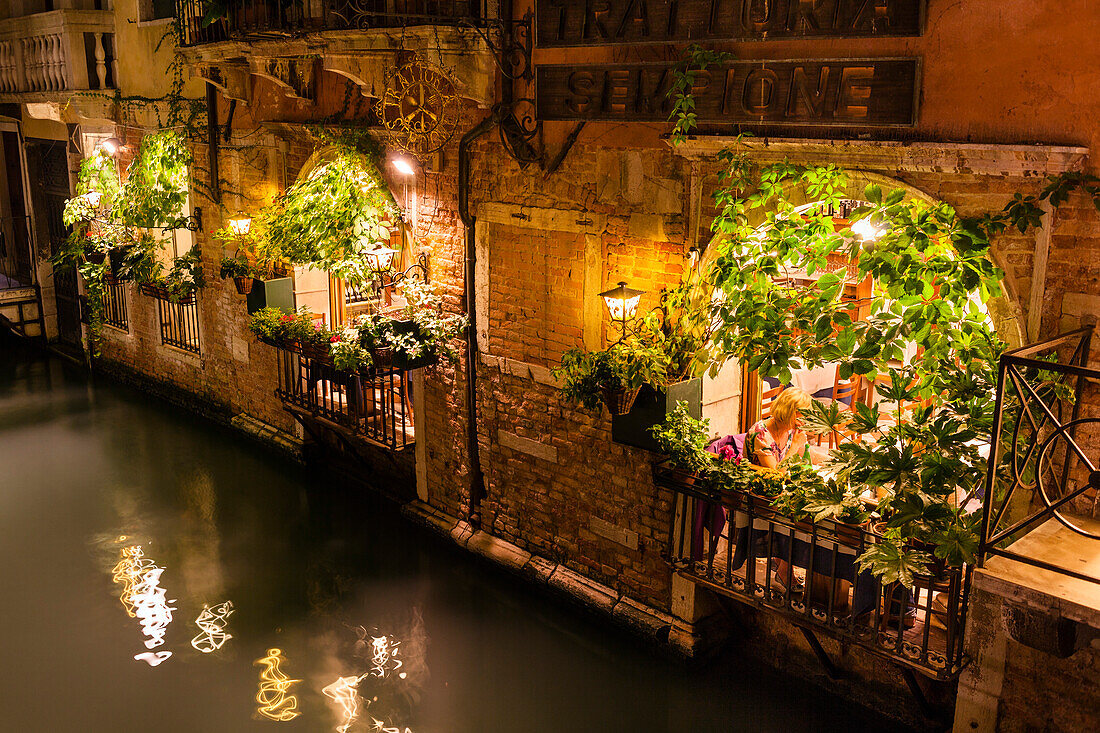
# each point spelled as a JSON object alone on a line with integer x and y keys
{"x": 853, "y": 390}
{"x": 766, "y": 400}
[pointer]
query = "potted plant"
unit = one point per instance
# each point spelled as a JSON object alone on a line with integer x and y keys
{"x": 680, "y": 328}
{"x": 374, "y": 336}
{"x": 611, "y": 377}
{"x": 347, "y": 353}
{"x": 240, "y": 270}
{"x": 426, "y": 332}
{"x": 270, "y": 325}
{"x": 839, "y": 509}
{"x": 119, "y": 255}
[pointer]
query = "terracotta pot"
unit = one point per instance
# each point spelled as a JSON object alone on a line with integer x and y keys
{"x": 619, "y": 401}
{"x": 762, "y": 506}
{"x": 244, "y": 285}
{"x": 848, "y": 534}
{"x": 382, "y": 357}
{"x": 315, "y": 351}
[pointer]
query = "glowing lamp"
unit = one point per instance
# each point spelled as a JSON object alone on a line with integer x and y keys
{"x": 241, "y": 225}
{"x": 866, "y": 231}
{"x": 111, "y": 145}
{"x": 93, "y": 198}
{"x": 380, "y": 260}
{"x": 403, "y": 166}
{"x": 622, "y": 302}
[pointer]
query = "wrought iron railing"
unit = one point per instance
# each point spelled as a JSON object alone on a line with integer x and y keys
{"x": 179, "y": 324}
{"x": 114, "y": 306}
{"x": 375, "y": 405}
{"x": 735, "y": 544}
{"x": 1040, "y": 469}
{"x": 274, "y": 18}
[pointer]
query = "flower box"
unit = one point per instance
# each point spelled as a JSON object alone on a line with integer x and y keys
{"x": 160, "y": 292}
{"x": 650, "y": 408}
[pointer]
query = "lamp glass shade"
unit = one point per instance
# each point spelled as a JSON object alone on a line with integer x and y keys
{"x": 622, "y": 302}
{"x": 403, "y": 166}
{"x": 866, "y": 231}
{"x": 111, "y": 145}
{"x": 380, "y": 259}
{"x": 241, "y": 225}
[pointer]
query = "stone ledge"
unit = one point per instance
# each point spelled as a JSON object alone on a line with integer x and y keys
{"x": 266, "y": 433}
{"x": 521, "y": 369}
{"x": 890, "y": 156}
{"x": 536, "y": 217}
{"x": 527, "y": 446}
{"x": 645, "y": 621}
{"x": 1044, "y": 590}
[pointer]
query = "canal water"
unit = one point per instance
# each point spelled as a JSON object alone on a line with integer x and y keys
{"x": 160, "y": 573}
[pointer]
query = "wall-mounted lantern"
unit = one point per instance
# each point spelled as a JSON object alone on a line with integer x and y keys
{"x": 240, "y": 225}
{"x": 622, "y": 304}
{"x": 94, "y": 198}
{"x": 380, "y": 261}
{"x": 111, "y": 146}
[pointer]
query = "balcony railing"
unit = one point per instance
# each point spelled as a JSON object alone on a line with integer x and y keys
{"x": 1043, "y": 481}
{"x": 63, "y": 50}
{"x": 375, "y": 406}
{"x": 277, "y": 18}
{"x": 732, "y": 544}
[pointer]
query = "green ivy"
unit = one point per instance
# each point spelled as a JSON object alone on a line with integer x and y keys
{"x": 329, "y": 220}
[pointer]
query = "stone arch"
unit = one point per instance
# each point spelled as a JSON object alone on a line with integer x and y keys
{"x": 1006, "y": 311}
{"x": 723, "y": 395}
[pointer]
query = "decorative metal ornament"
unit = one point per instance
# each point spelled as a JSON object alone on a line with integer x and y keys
{"x": 420, "y": 107}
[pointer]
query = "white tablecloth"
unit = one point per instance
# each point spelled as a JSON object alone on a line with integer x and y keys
{"x": 813, "y": 380}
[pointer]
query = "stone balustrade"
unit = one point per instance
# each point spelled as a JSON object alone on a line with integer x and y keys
{"x": 63, "y": 50}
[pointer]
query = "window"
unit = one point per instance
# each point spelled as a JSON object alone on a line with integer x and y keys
{"x": 157, "y": 9}
{"x": 114, "y": 307}
{"x": 179, "y": 324}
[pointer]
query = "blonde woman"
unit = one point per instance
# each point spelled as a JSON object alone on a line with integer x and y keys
{"x": 774, "y": 438}
{"x": 779, "y": 435}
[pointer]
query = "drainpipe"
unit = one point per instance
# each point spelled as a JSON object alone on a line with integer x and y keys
{"x": 477, "y": 478}
{"x": 212, "y": 140}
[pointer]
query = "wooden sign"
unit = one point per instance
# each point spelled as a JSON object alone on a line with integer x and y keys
{"x": 599, "y": 22}
{"x": 829, "y": 92}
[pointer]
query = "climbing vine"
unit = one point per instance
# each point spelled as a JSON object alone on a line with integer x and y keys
{"x": 695, "y": 61}
{"x": 919, "y": 334}
{"x": 125, "y": 220}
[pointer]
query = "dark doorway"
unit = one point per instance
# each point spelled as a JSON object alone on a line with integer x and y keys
{"x": 48, "y": 163}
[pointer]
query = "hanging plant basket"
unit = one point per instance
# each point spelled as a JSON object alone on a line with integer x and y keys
{"x": 112, "y": 279}
{"x": 118, "y": 255}
{"x": 96, "y": 258}
{"x": 619, "y": 401}
{"x": 382, "y": 358}
{"x": 244, "y": 285}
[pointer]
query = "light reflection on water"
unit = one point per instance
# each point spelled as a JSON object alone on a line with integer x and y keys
{"x": 144, "y": 599}
{"x": 274, "y": 698}
{"x": 212, "y": 622}
{"x": 314, "y": 569}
